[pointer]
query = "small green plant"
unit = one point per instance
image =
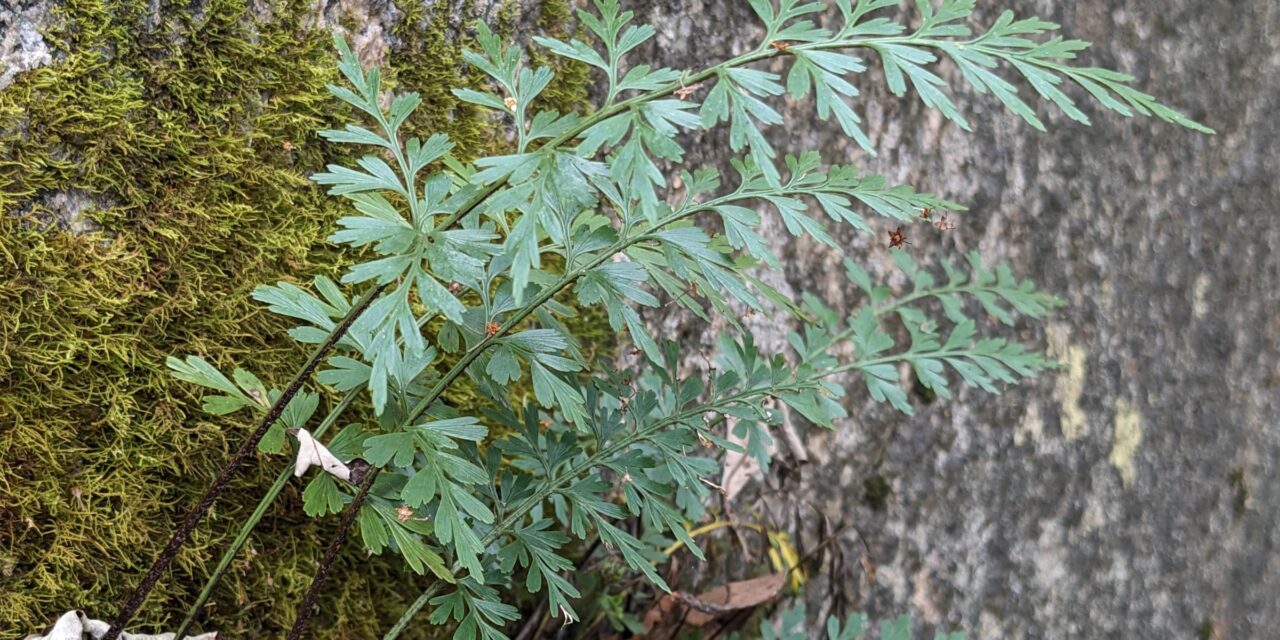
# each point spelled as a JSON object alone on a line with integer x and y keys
{"x": 791, "y": 625}
{"x": 471, "y": 267}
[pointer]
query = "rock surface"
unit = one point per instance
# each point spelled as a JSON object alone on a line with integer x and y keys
{"x": 1134, "y": 495}
{"x": 21, "y": 46}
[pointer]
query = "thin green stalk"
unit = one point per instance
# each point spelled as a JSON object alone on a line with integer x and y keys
{"x": 247, "y": 528}
{"x": 890, "y": 359}
{"x": 426, "y": 596}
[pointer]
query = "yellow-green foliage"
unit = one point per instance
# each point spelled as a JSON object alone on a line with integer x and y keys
{"x": 193, "y": 137}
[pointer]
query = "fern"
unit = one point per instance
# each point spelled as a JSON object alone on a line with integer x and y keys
{"x": 791, "y": 625}
{"x": 487, "y": 253}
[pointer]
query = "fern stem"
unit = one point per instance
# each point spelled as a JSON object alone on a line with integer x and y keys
{"x": 227, "y": 556}
{"x": 412, "y": 611}
{"x": 330, "y": 554}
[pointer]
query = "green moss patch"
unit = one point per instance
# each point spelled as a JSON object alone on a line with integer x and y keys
{"x": 184, "y": 145}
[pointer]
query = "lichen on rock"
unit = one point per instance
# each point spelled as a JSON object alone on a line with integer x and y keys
{"x": 22, "y": 48}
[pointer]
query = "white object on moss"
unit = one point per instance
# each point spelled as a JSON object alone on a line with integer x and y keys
{"x": 75, "y": 625}
{"x": 311, "y": 452}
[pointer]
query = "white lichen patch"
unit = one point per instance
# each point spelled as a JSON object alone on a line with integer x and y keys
{"x": 1128, "y": 437}
{"x": 72, "y": 209}
{"x": 924, "y": 598}
{"x": 1094, "y": 516}
{"x": 1199, "y": 303}
{"x": 68, "y": 210}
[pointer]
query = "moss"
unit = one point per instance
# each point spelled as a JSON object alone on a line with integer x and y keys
{"x": 569, "y": 89}
{"x": 429, "y": 61}
{"x": 875, "y": 492}
{"x": 192, "y": 138}
{"x": 1240, "y": 491}
{"x": 1205, "y": 630}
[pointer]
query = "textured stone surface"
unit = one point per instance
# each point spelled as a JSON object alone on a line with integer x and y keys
{"x": 21, "y": 46}
{"x": 1135, "y": 495}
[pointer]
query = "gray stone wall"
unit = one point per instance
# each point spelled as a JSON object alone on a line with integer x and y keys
{"x": 1135, "y": 494}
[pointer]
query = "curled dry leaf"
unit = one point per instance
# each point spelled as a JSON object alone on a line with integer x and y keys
{"x": 677, "y": 611}
{"x": 868, "y": 565}
{"x": 75, "y": 625}
{"x": 311, "y": 452}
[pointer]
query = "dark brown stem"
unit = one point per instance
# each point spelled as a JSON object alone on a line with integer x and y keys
{"x": 330, "y": 554}
{"x": 532, "y": 623}
{"x": 245, "y": 451}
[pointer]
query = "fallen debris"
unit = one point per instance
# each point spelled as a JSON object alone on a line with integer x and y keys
{"x": 75, "y": 625}
{"x": 678, "y": 610}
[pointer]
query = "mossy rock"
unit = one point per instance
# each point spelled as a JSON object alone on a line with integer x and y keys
{"x": 150, "y": 177}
